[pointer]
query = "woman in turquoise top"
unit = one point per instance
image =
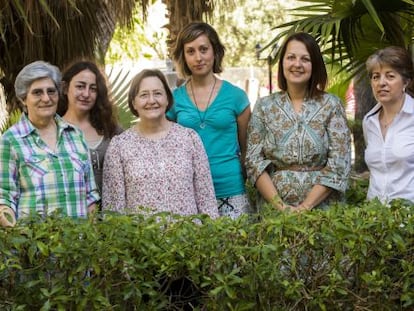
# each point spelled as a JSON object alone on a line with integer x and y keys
{"x": 216, "y": 109}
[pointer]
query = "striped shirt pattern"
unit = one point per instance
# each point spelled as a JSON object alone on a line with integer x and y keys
{"x": 37, "y": 179}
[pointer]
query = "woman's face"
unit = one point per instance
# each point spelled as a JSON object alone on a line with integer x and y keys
{"x": 387, "y": 84}
{"x": 41, "y": 100}
{"x": 151, "y": 100}
{"x": 82, "y": 91}
{"x": 297, "y": 65}
{"x": 199, "y": 55}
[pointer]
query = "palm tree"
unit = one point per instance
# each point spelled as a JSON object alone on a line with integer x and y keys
{"x": 349, "y": 31}
{"x": 61, "y": 31}
{"x": 56, "y": 31}
{"x": 182, "y": 12}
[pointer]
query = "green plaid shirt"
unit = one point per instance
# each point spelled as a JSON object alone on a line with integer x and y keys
{"x": 36, "y": 179}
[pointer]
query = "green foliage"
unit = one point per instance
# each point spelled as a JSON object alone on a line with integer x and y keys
{"x": 10, "y": 120}
{"x": 137, "y": 42}
{"x": 246, "y": 25}
{"x": 347, "y": 258}
{"x": 351, "y": 30}
{"x": 120, "y": 82}
{"x": 358, "y": 187}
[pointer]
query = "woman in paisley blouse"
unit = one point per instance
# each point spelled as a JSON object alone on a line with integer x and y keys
{"x": 299, "y": 145}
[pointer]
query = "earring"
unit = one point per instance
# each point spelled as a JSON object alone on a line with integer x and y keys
{"x": 404, "y": 89}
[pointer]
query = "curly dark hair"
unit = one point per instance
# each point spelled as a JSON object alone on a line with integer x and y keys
{"x": 103, "y": 113}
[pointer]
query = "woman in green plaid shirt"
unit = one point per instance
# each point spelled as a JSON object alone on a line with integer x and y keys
{"x": 44, "y": 162}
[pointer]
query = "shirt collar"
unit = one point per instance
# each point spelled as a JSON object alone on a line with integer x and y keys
{"x": 26, "y": 128}
{"x": 408, "y": 107}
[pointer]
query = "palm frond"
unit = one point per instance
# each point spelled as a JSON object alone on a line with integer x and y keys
{"x": 58, "y": 32}
{"x": 119, "y": 80}
{"x": 351, "y": 30}
{"x": 11, "y": 119}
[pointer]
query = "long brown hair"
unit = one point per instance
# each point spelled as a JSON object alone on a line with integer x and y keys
{"x": 103, "y": 113}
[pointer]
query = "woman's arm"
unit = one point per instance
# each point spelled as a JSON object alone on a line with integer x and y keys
{"x": 9, "y": 184}
{"x": 203, "y": 182}
{"x": 113, "y": 181}
{"x": 242, "y": 124}
{"x": 268, "y": 191}
{"x": 256, "y": 161}
{"x": 337, "y": 170}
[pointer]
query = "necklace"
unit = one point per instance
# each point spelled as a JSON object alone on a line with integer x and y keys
{"x": 385, "y": 125}
{"x": 202, "y": 119}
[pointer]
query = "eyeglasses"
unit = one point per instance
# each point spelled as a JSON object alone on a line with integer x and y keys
{"x": 40, "y": 92}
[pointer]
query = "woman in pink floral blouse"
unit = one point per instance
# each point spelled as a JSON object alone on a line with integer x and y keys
{"x": 156, "y": 164}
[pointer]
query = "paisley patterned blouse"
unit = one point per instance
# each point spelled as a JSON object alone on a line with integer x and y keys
{"x": 299, "y": 150}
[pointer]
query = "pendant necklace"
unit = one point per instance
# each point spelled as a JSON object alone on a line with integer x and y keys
{"x": 202, "y": 119}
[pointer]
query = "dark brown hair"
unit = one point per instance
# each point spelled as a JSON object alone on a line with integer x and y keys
{"x": 188, "y": 34}
{"x": 136, "y": 83}
{"x": 103, "y": 113}
{"x": 319, "y": 76}
{"x": 397, "y": 58}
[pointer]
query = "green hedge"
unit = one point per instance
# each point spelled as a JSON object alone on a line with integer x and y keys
{"x": 347, "y": 258}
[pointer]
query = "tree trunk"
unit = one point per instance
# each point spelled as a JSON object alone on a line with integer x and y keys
{"x": 364, "y": 101}
{"x": 182, "y": 12}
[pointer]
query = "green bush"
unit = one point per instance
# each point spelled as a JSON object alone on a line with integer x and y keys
{"x": 347, "y": 258}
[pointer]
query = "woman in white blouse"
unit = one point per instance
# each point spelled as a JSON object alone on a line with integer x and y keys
{"x": 389, "y": 126}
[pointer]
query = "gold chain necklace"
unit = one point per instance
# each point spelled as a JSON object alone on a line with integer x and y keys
{"x": 202, "y": 119}
{"x": 386, "y": 123}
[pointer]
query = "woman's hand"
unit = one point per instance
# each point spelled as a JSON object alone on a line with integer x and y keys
{"x": 302, "y": 207}
{"x": 7, "y": 216}
{"x": 317, "y": 195}
{"x": 278, "y": 203}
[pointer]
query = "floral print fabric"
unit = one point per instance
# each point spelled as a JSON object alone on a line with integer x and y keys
{"x": 279, "y": 138}
{"x": 170, "y": 174}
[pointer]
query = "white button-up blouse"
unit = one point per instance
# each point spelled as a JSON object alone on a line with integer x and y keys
{"x": 390, "y": 159}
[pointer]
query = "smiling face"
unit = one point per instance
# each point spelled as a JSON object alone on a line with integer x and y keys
{"x": 387, "y": 85}
{"x": 151, "y": 101}
{"x": 41, "y": 100}
{"x": 82, "y": 91}
{"x": 199, "y": 55}
{"x": 297, "y": 64}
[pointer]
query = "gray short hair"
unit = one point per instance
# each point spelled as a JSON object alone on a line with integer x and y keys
{"x": 35, "y": 71}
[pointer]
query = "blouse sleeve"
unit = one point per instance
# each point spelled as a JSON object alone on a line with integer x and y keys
{"x": 256, "y": 163}
{"x": 9, "y": 183}
{"x": 113, "y": 186}
{"x": 338, "y": 167}
{"x": 203, "y": 183}
{"x": 241, "y": 102}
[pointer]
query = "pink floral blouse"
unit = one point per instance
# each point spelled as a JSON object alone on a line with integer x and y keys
{"x": 168, "y": 174}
